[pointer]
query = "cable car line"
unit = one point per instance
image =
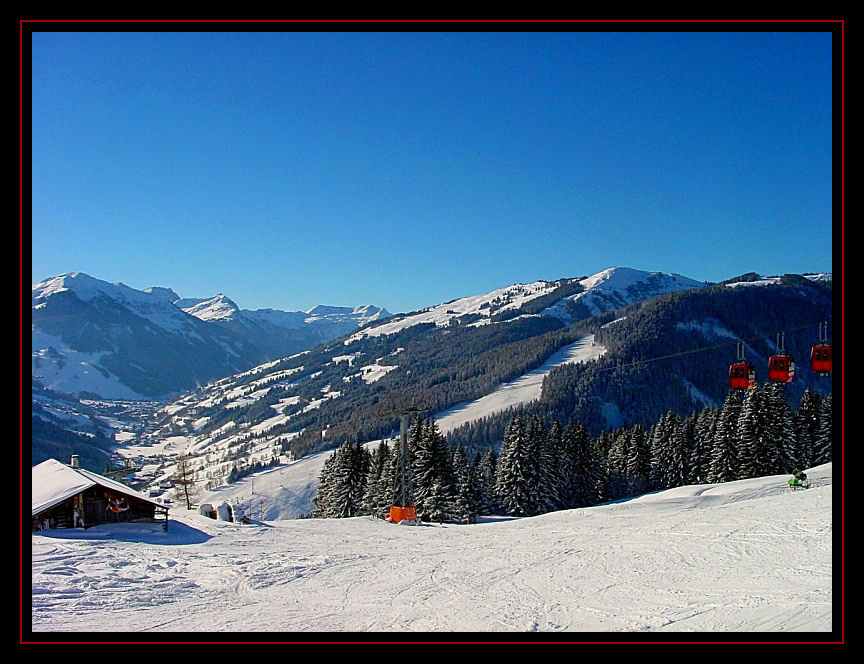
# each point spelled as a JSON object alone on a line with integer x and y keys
{"x": 701, "y": 349}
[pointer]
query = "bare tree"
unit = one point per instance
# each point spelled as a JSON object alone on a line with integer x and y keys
{"x": 185, "y": 487}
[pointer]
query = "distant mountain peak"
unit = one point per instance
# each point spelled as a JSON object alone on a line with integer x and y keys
{"x": 163, "y": 292}
{"x": 215, "y": 308}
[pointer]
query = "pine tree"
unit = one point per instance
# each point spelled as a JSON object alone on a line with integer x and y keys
{"x": 431, "y": 467}
{"x": 485, "y": 474}
{"x": 561, "y": 466}
{"x": 347, "y": 482}
{"x": 618, "y": 479}
{"x": 780, "y": 443}
{"x": 377, "y": 499}
{"x": 725, "y": 462}
{"x": 668, "y": 452}
{"x": 467, "y": 495}
{"x": 515, "y": 480}
{"x": 639, "y": 460}
{"x": 437, "y": 503}
{"x": 600, "y": 451}
{"x": 751, "y": 428}
{"x": 824, "y": 438}
{"x": 703, "y": 445}
{"x": 807, "y": 427}
{"x": 322, "y": 497}
{"x": 586, "y": 483}
{"x": 541, "y": 458}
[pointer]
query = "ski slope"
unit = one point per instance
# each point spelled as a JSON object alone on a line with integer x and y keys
{"x": 520, "y": 391}
{"x": 286, "y": 492}
{"x": 743, "y": 557}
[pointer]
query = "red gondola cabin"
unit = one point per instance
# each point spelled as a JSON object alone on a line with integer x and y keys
{"x": 742, "y": 376}
{"x": 820, "y": 359}
{"x": 781, "y": 368}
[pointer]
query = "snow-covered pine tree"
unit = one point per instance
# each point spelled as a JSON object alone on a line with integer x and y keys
{"x": 586, "y": 483}
{"x": 431, "y": 466}
{"x": 467, "y": 497}
{"x": 484, "y": 469}
{"x": 541, "y": 457}
{"x": 424, "y": 472}
{"x": 667, "y": 452}
{"x": 437, "y": 503}
{"x": 514, "y": 478}
{"x": 725, "y": 463}
{"x": 377, "y": 499}
{"x": 322, "y": 497}
{"x": 639, "y": 460}
{"x": 824, "y": 438}
{"x": 807, "y": 427}
{"x": 780, "y": 443}
{"x": 618, "y": 480}
{"x": 347, "y": 480}
{"x": 751, "y": 428}
{"x": 703, "y": 445}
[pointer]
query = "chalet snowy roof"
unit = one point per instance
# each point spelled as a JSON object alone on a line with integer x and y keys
{"x": 53, "y": 482}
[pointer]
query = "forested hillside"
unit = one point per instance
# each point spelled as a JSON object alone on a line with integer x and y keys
{"x": 673, "y": 353}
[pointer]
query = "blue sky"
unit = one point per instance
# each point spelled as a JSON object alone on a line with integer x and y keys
{"x": 287, "y": 170}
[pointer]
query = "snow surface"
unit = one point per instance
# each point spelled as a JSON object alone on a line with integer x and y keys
{"x": 59, "y": 367}
{"x": 743, "y": 557}
{"x": 513, "y": 297}
{"x": 217, "y": 307}
{"x": 520, "y": 391}
{"x": 616, "y": 284}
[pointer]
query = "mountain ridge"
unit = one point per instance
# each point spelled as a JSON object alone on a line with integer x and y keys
{"x": 92, "y": 336}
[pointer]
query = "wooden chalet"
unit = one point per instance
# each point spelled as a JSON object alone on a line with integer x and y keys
{"x": 68, "y": 496}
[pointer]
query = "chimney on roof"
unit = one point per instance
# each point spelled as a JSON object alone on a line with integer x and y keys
{"x": 75, "y": 463}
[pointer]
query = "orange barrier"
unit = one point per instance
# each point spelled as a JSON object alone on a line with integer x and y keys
{"x": 398, "y": 514}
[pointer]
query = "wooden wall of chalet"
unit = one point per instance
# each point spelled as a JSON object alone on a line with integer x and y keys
{"x": 93, "y": 505}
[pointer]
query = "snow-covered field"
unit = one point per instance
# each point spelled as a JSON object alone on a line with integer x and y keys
{"x": 742, "y": 557}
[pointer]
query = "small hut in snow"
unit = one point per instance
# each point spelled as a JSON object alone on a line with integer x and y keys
{"x": 67, "y": 496}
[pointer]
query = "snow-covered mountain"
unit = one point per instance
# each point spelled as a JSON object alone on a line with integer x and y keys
{"x": 472, "y": 358}
{"x": 615, "y": 288}
{"x": 282, "y": 333}
{"x": 256, "y": 417}
{"x": 108, "y": 339}
{"x": 566, "y": 299}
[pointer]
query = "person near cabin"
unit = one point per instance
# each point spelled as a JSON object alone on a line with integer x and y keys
{"x": 117, "y": 505}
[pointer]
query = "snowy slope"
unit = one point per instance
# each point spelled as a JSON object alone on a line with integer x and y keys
{"x": 502, "y": 299}
{"x": 748, "y": 557}
{"x": 103, "y": 338}
{"x": 619, "y": 286}
{"x": 605, "y": 291}
{"x": 520, "y": 391}
{"x": 286, "y": 492}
